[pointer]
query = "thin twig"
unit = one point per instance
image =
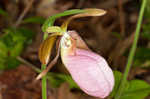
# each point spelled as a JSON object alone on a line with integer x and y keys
{"x": 121, "y": 18}
{"x": 28, "y": 64}
{"x": 23, "y": 13}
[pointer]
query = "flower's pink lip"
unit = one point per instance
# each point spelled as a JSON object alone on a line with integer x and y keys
{"x": 95, "y": 92}
{"x": 99, "y": 69}
{"x": 93, "y": 56}
{"x": 99, "y": 80}
{"x": 79, "y": 53}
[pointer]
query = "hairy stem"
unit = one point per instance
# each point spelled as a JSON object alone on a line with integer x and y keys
{"x": 132, "y": 51}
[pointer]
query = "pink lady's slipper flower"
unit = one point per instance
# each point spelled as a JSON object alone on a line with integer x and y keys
{"x": 89, "y": 70}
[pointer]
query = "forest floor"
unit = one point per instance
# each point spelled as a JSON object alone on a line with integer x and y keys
{"x": 110, "y": 36}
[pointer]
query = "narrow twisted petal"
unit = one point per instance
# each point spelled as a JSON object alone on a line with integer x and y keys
{"x": 91, "y": 72}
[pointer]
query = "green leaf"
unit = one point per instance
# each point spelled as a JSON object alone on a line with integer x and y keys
{"x": 3, "y": 49}
{"x": 17, "y": 49}
{"x": 146, "y": 33}
{"x": 142, "y": 53}
{"x": 118, "y": 76}
{"x": 50, "y": 21}
{"x": 57, "y": 79}
{"x": 12, "y": 43}
{"x": 3, "y": 12}
{"x": 135, "y": 89}
{"x": 2, "y": 67}
{"x": 11, "y": 63}
{"x": 147, "y": 10}
{"x": 27, "y": 33}
{"x": 68, "y": 79}
{"x": 142, "y": 57}
{"x": 34, "y": 19}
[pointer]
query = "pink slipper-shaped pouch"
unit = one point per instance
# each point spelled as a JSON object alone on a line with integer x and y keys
{"x": 90, "y": 71}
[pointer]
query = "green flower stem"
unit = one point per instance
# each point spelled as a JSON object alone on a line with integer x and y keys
{"x": 132, "y": 51}
{"x": 44, "y": 85}
{"x": 44, "y": 88}
{"x": 44, "y": 79}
